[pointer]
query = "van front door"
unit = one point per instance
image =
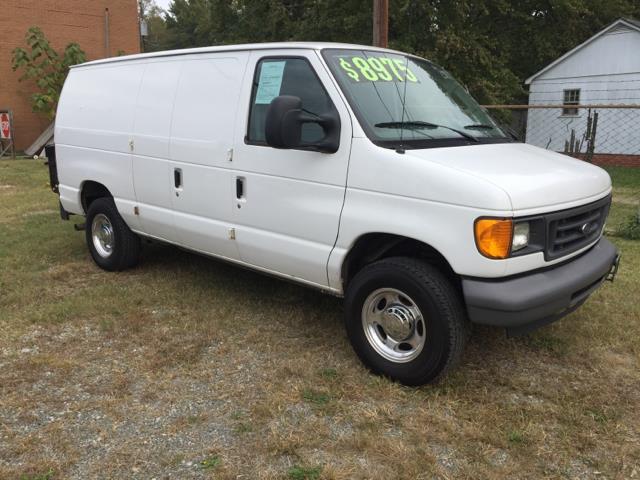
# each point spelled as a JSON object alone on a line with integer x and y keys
{"x": 287, "y": 203}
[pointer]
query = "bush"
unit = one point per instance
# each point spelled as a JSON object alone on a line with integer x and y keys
{"x": 631, "y": 228}
{"x": 46, "y": 67}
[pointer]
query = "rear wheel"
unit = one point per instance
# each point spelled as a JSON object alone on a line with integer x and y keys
{"x": 111, "y": 242}
{"x": 405, "y": 320}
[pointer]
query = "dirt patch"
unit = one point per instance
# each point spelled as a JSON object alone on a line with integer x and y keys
{"x": 627, "y": 199}
{"x": 36, "y": 213}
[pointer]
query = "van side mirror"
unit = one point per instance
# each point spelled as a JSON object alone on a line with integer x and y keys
{"x": 284, "y": 121}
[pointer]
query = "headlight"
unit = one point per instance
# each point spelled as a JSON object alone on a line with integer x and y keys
{"x": 520, "y": 236}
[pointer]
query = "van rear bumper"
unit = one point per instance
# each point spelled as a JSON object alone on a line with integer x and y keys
{"x": 529, "y": 301}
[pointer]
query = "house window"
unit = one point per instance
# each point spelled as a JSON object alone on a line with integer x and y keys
{"x": 571, "y": 97}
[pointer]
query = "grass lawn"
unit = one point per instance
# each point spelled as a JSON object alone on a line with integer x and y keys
{"x": 626, "y": 195}
{"x": 190, "y": 368}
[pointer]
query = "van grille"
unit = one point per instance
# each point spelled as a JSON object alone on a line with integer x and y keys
{"x": 575, "y": 228}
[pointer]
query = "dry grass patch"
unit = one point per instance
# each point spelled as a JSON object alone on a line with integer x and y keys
{"x": 189, "y": 368}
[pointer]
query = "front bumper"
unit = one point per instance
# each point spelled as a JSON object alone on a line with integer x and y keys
{"x": 529, "y": 301}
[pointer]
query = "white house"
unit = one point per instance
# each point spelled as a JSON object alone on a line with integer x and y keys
{"x": 604, "y": 70}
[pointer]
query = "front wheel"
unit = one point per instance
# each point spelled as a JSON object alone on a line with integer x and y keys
{"x": 111, "y": 242}
{"x": 405, "y": 320}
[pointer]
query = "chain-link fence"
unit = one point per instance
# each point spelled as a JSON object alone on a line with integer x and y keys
{"x": 600, "y": 133}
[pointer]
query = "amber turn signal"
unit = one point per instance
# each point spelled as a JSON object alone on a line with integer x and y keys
{"x": 493, "y": 236}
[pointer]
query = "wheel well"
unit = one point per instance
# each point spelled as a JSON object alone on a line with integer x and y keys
{"x": 92, "y": 191}
{"x": 375, "y": 246}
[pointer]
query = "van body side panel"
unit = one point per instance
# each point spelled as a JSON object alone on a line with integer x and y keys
{"x": 93, "y": 128}
{"x": 287, "y": 218}
{"x": 151, "y": 135}
{"x": 202, "y": 132}
{"x": 445, "y": 227}
{"x": 390, "y": 192}
{"x": 424, "y": 198}
{"x": 70, "y": 199}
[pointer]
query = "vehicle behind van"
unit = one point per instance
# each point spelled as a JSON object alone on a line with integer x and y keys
{"x": 364, "y": 172}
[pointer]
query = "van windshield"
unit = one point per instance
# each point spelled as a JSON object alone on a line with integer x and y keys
{"x": 438, "y": 111}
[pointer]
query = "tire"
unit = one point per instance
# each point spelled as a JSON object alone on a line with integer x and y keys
{"x": 114, "y": 246}
{"x": 405, "y": 320}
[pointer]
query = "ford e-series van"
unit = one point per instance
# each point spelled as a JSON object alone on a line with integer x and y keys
{"x": 360, "y": 171}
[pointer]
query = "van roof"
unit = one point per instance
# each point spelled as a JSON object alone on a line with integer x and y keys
{"x": 235, "y": 48}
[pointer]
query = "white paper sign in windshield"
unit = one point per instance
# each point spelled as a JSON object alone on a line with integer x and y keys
{"x": 270, "y": 82}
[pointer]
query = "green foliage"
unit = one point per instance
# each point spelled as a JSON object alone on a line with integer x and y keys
{"x": 48, "y": 475}
{"x": 153, "y": 15}
{"x": 492, "y": 46}
{"x": 516, "y": 437}
{"x": 315, "y": 397}
{"x": 626, "y": 179}
{"x": 544, "y": 341}
{"x": 329, "y": 373}
{"x": 304, "y": 473}
{"x": 244, "y": 428}
{"x": 46, "y": 67}
{"x": 210, "y": 463}
{"x": 196, "y": 23}
{"x": 631, "y": 228}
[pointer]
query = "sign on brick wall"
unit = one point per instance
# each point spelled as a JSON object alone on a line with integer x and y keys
{"x": 6, "y": 133}
{"x": 5, "y": 126}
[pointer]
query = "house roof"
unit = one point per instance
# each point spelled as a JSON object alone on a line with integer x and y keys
{"x": 632, "y": 21}
{"x": 628, "y": 22}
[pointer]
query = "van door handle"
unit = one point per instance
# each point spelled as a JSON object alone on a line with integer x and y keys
{"x": 177, "y": 177}
{"x": 239, "y": 188}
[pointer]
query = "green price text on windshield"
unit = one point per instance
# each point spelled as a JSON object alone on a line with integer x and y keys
{"x": 377, "y": 69}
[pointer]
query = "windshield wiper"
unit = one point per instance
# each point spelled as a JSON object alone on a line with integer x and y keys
{"x": 418, "y": 124}
{"x": 481, "y": 126}
{"x": 486, "y": 126}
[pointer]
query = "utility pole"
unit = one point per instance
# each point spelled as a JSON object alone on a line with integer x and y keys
{"x": 380, "y": 23}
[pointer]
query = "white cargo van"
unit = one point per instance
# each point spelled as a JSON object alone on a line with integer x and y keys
{"x": 360, "y": 171}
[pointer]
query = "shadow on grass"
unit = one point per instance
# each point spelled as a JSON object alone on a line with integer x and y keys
{"x": 212, "y": 278}
{"x": 321, "y": 317}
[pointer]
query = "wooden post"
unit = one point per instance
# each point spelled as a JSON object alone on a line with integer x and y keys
{"x": 572, "y": 142}
{"x": 380, "y": 23}
{"x": 592, "y": 140}
{"x": 13, "y": 137}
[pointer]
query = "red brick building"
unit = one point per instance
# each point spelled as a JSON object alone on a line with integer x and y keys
{"x": 101, "y": 27}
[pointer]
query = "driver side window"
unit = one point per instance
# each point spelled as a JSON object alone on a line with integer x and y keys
{"x": 286, "y": 76}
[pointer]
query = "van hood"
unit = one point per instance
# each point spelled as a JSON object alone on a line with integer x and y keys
{"x": 532, "y": 177}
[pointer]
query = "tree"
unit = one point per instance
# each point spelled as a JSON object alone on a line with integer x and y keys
{"x": 194, "y": 23}
{"x": 198, "y": 23}
{"x": 46, "y": 67}
{"x": 492, "y": 46}
{"x": 156, "y": 39}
